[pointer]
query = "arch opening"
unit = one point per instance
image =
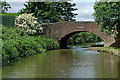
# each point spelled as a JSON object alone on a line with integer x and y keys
{"x": 64, "y": 41}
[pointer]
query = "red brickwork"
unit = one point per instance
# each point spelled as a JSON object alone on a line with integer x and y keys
{"x": 62, "y": 31}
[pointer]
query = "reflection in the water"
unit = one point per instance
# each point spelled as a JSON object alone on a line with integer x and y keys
{"x": 76, "y": 62}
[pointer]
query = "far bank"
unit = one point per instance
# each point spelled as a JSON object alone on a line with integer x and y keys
{"x": 110, "y": 50}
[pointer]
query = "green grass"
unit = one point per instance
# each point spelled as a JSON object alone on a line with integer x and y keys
{"x": 111, "y": 50}
{"x": 10, "y": 14}
{"x": 17, "y": 43}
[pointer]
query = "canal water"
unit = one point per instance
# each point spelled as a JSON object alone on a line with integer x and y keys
{"x": 76, "y": 62}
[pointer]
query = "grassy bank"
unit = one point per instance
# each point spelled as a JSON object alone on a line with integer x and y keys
{"x": 17, "y": 43}
{"x": 110, "y": 50}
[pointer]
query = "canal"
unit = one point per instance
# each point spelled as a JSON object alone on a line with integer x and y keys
{"x": 76, "y": 62}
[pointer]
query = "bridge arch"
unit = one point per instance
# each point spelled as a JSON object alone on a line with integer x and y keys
{"x": 63, "y": 40}
{"x": 60, "y": 32}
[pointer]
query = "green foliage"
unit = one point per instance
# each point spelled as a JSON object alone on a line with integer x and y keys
{"x": 17, "y": 43}
{"x": 84, "y": 37}
{"x": 4, "y": 6}
{"x": 107, "y": 15}
{"x": 28, "y": 23}
{"x": 8, "y": 19}
{"x": 54, "y": 11}
{"x": 46, "y": 43}
{"x": 9, "y": 52}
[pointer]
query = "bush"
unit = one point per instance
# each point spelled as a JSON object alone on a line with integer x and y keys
{"x": 10, "y": 52}
{"x": 46, "y": 43}
{"x": 17, "y": 43}
{"x": 28, "y": 23}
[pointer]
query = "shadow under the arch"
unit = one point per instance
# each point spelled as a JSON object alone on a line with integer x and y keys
{"x": 63, "y": 42}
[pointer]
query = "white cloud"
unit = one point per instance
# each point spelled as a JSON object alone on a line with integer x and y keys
{"x": 16, "y": 6}
{"x": 48, "y": 0}
{"x": 85, "y": 11}
{"x": 84, "y": 19}
{"x": 14, "y": 0}
{"x": 83, "y": 0}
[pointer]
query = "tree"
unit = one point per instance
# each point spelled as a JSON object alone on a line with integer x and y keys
{"x": 4, "y": 6}
{"x": 107, "y": 16}
{"x": 65, "y": 9}
{"x": 54, "y": 11}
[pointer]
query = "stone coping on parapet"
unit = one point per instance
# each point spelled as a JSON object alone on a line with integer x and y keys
{"x": 70, "y": 22}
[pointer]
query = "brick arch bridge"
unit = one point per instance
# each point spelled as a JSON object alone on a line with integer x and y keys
{"x": 60, "y": 32}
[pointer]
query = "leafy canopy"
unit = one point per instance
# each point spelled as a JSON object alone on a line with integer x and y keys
{"x": 107, "y": 15}
{"x": 55, "y": 11}
{"x": 4, "y": 6}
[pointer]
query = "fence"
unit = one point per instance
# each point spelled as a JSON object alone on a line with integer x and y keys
{"x": 8, "y": 20}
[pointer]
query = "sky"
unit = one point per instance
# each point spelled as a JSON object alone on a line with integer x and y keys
{"x": 85, "y": 11}
{"x": 85, "y": 8}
